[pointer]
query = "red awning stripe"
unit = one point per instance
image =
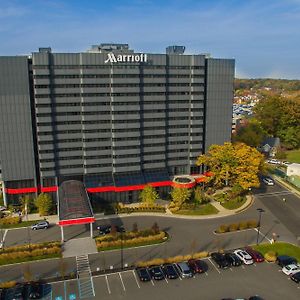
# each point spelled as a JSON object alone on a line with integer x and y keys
{"x": 45, "y": 189}
{"x": 76, "y": 221}
{"x": 21, "y": 190}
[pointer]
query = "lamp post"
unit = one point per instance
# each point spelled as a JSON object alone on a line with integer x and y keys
{"x": 122, "y": 254}
{"x": 260, "y": 211}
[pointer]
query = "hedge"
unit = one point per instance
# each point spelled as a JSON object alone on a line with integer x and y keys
{"x": 169, "y": 260}
{"x": 136, "y": 209}
{"x": 129, "y": 242}
{"x": 10, "y": 220}
{"x": 237, "y": 226}
{"x": 30, "y": 252}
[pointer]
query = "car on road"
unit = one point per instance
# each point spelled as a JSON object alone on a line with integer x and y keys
{"x": 291, "y": 269}
{"x": 143, "y": 274}
{"x": 244, "y": 256}
{"x": 40, "y": 225}
{"x": 170, "y": 271}
{"x": 184, "y": 270}
{"x": 273, "y": 161}
{"x": 106, "y": 229}
{"x": 256, "y": 255}
{"x": 197, "y": 266}
{"x": 268, "y": 181}
{"x": 156, "y": 273}
{"x": 220, "y": 260}
{"x": 296, "y": 277}
{"x": 284, "y": 260}
{"x": 232, "y": 259}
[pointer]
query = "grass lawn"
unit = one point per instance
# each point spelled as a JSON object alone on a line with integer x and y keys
{"x": 233, "y": 204}
{"x": 31, "y": 258}
{"x": 18, "y": 225}
{"x": 206, "y": 209}
{"x": 293, "y": 156}
{"x": 280, "y": 249}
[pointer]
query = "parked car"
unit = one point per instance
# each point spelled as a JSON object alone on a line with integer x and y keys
{"x": 15, "y": 293}
{"x": 296, "y": 277}
{"x": 284, "y": 260}
{"x": 244, "y": 256}
{"x": 286, "y": 163}
{"x": 256, "y": 255}
{"x": 291, "y": 269}
{"x": 197, "y": 266}
{"x": 2, "y": 208}
{"x": 233, "y": 260}
{"x": 40, "y": 225}
{"x": 34, "y": 290}
{"x": 2, "y": 293}
{"x": 268, "y": 181}
{"x": 156, "y": 273}
{"x": 184, "y": 270}
{"x": 143, "y": 274}
{"x": 220, "y": 260}
{"x": 170, "y": 271}
{"x": 273, "y": 161}
{"x": 256, "y": 298}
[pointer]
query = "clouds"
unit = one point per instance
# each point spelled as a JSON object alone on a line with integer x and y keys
{"x": 259, "y": 37}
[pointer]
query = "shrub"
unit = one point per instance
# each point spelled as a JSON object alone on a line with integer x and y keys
{"x": 270, "y": 256}
{"x": 7, "y": 284}
{"x": 243, "y": 225}
{"x": 223, "y": 228}
{"x": 233, "y": 227}
{"x": 10, "y": 220}
{"x": 252, "y": 224}
{"x": 200, "y": 254}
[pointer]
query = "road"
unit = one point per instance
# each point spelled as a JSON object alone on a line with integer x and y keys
{"x": 186, "y": 235}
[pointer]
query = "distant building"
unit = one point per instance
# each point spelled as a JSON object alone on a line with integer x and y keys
{"x": 270, "y": 146}
{"x": 293, "y": 170}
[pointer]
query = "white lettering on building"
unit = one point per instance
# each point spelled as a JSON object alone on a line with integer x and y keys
{"x": 112, "y": 58}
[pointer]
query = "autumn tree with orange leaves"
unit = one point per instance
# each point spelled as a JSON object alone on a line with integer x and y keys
{"x": 233, "y": 165}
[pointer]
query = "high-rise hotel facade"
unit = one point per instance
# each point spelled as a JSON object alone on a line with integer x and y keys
{"x": 110, "y": 117}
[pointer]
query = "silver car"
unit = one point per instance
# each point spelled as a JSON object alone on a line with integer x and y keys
{"x": 40, "y": 225}
{"x": 184, "y": 270}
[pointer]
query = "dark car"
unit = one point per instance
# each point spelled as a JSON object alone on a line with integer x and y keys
{"x": 143, "y": 274}
{"x": 256, "y": 256}
{"x": 296, "y": 277}
{"x": 233, "y": 260}
{"x": 40, "y": 225}
{"x": 34, "y": 290}
{"x": 170, "y": 271}
{"x": 284, "y": 260}
{"x": 256, "y": 298}
{"x": 220, "y": 260}
{"x": 156, "y": 273}
{"x": 2, "y": 294}
{"x": 15, "y": 293}
{"x": 197, "y": 266}
{"x": 104, "y": 229}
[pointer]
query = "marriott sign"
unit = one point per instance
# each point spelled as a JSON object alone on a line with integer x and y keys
{"x": 112, "y": 58}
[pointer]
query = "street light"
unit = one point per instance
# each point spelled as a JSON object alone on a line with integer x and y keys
{"x": 122, "y": 254}
{"x": 260, "y": 211}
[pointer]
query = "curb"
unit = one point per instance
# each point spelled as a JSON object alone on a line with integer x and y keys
{"x": 229, "y": 232}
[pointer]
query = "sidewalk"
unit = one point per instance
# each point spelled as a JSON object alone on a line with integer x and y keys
{"x": 53, "y": 219}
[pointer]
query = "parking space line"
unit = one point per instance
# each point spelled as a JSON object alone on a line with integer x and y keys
{"x": 122, "y": 282}
{"x": 166, "y": 280}
{"x": 214, "y": 266}
{"x": 206, "y": 273}
{"x": 136, "y": 279}
{"x": 254, "y": 264}
{"x": 243, "y": 267}
{"x": 107, "y": 284}
{"x": 152, "y": 282}
{"x": 231, "y": 269}
{"x": 263, "y": 235}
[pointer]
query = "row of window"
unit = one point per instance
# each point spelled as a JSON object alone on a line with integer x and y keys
{"x": 68, "y": 76}
{"x": 116, "y": 112}
{"x": 135, "y": 138}
{"x": 115, "y": 85}
{"x": 109, "y": 121}
{"x": 119, "y": 130}
{"x": 119, "y": 66}
{"x": 116, "y": 103}
{"x": 74, "y": 95}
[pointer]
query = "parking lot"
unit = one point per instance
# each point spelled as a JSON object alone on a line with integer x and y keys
{"x": 263, "y": 279}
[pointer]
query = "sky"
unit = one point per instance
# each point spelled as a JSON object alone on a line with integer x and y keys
{"x": 262, "y": 35}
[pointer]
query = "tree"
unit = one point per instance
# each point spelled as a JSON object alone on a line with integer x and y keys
{"x": 233, "y": 164}
{"x": 28, "y": 202}
{"x": 149, "y": 194}
{"x": 44, "y": 204}
{"x": 180, "y": 196}
{"x": 252, "y": 134}
{"x": 155, "y": 228}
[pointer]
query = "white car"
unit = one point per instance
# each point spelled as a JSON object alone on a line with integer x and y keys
{"x": 268, "y": 181}
{"x": 244, "y": 256}
{"x": 274, "y": 161}
{"x": 291, "y": 269}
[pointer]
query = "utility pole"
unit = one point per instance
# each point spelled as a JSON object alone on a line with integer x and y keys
{"x": 260, "y": 211}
